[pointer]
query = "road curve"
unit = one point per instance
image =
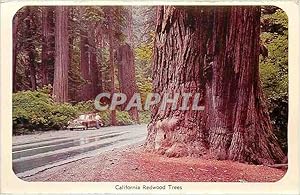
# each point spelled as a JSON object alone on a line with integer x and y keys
{"x": 34, "y": 153}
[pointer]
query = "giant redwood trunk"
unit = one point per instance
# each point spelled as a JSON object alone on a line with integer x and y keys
{"x": 126, "y": 69}
{"x": 60, "y": 83}
{"x": 213, "y": 52}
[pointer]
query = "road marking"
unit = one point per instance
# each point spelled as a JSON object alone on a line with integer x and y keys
{"x": 84, "y": 145}
{"x": 70, "y": 140}
{"x": 69, "y": 144}
{"x": 53, "y": 142}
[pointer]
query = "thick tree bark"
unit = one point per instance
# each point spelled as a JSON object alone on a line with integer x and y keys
{"x": 60, "y": 84}
{"x": 127, "y": 81}
{"x": 214, "y": 52}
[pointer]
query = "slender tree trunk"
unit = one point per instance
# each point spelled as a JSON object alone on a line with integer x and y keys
{"x": 45, "y": 47}
{"x": 127, "y": 81}
{"x": 85, "y": 69}
{"x": 60, "y": 85}
{"x": 50, "y": 45}
{"x": 213, "y": 52}
{"x": 112, "y": 69}
{"x": 99, "y": 42}
{"x": 96, "y": 86}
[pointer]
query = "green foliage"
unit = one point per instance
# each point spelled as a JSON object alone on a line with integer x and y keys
{"x": 143, "y": 54}
{"x": 124, "y": 118}
{"x": 35, "y": 110}
{"x": 145, "y": 117}
{"x": 274, "y": 69}
{"x": 85, "y": 107}
{"x": 93, "y": 14}
{"x": 60, "y": 115}
{"x": 105, "y": 117}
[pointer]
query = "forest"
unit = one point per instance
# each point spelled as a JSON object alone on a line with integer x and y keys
{"x": 64, "y": 56}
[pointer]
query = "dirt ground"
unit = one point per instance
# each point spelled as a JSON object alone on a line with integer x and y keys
{"x": 131, "y": 164}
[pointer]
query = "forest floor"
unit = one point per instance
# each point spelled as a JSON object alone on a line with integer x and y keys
{"x": 131, "y": 164}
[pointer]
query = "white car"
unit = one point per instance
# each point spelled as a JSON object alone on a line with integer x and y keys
{"x": 85, "y": 121}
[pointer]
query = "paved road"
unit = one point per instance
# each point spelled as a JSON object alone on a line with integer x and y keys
{"x": 35, "y": 153}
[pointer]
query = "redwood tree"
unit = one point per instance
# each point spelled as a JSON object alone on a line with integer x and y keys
{"x": 213, "y": 52}
{"x": 85, "y": 66}
{"x": 95, "y": 81}
{"x": 85, "y": 69}
{"x": 30, "y": 32}
{"x": 127, "y": 81}
{"x": 46, "y": 30}
{"x": 60, "y": 83}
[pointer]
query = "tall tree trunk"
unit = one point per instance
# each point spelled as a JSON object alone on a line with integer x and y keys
{"x": 30, "y": 30}
{"x": 111, "y": 63}
{"x": 213, "y": 52}
{"x": 60, "y": 84}
{"x": 127, "y": 81}
{"x": 45, "y": 46}
{"x": 15, "y": 49}
{"x": 95, "y": 84}
{"x": 99, "y": 59}
{"x": 85, "y": 66}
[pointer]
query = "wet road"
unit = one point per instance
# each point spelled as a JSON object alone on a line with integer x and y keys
{"x": 35, "y": 153}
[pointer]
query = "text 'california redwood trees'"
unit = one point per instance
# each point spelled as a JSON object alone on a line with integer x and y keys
{"x": 214, "y": 52}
